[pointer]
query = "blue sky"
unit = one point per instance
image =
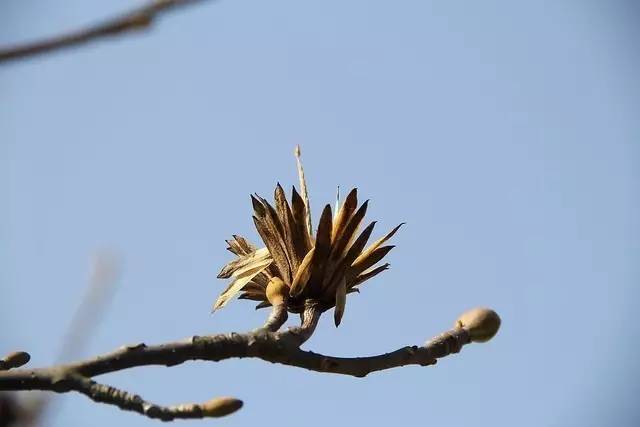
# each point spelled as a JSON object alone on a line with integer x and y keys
{"x": 504, "y": 134}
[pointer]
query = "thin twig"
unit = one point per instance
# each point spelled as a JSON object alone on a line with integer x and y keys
{"x": 137, "y": 19}
{"x": 103, "y": 393}
{"x": 104, "y": 273}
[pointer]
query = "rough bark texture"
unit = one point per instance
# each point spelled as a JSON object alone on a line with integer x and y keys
{"x": 476, "y": 325}
{"x": 275, "y": 347}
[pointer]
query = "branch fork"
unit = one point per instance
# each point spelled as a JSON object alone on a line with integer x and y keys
{"x": 476, "y": 325}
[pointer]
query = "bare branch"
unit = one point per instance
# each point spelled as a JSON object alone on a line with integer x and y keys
{"x": 103, "y": 393}
{"x": 272, "y": 347}
{"x": 105, "y": 270}
{"x": 477, "y": 325}
{"x": 137, "y": 19}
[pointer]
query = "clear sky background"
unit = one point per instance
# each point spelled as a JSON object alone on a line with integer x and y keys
{"x": 504, "y": 133}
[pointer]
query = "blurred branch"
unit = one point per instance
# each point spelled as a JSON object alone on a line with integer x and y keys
{"x": 137, "y": 19}
{"x": 103, "y": 277}
{"x": 105, "y": 270}
{"x": 477, "y": 325}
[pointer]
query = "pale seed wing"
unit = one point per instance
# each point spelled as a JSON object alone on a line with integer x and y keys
{"x": 341, "y": 300}
{"x": 322, "y": 247}
{"x": 298, "y": 209}
{"x": 263, "y": 304}
{"x": 347, "y": 234}
{"x": 295, "y": 252}
{"x": 356, "y": 248}
{"x": 252, "y": 286}
{"x": 378, "y": 243}
{"x": 302, "y": 275}
{"x": 252, "y": 296}
{"x": 344, "y": 213}
{"x": 360, "y": 265}
{"x": 234, "y": 248}
{"x": 276, "y": 228}
{"x": 303, "y": 189}
{"x": 277, "y": 253}
{"x": 242, "y": 271}
{"x": 336, "y": 207}
{"x": 340, "y": 244}
{"x": 243, "y": 261}
{"x": 323, "y": 235}
{"x": 368, "y": 274}
{"x": 346, "y": 261}
{"x": 244, "y": 244}
{"x": 272, "y": 217}
{"x": 262, "y": 279}
{"x": 258, "y": 207}
{"x": 240, "y": 246}
{"x": 239, "y": 282}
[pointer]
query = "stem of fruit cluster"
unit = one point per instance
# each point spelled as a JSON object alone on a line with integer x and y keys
{"x": 277, "y": 317}
{"x": 310, "y": 318}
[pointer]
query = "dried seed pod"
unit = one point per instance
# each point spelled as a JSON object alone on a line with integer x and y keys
{"x": 303, "y": 274}
{"x": 323, "y": 267}
{"x": 220, "y": 406}
{"x": 277, "y": 291}
{"x": 481, "y": 323}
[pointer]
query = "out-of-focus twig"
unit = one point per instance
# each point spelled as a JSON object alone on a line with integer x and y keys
{"x": 105, "y": 270}
{"x": 103, "y": 276}
{"x": 137, "y": 19}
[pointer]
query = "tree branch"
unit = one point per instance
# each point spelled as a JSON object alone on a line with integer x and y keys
{"x": 103, "y": 393}
{"x": 137, "y": 19}
{"x": 280, "y": 347}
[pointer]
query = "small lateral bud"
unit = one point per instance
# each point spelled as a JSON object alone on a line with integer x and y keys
{"x": 16, "y": 359}
{"x": 277, "y": 291}
{"x": 220, "y": 406}
{"x": 481, "y": 323}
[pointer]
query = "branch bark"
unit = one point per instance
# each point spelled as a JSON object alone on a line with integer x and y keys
{"x": 103, "y": 393}
{"x": 279, "y": 348}
{"x": 275, "y": 347}
{"x": 137, "y": 19}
